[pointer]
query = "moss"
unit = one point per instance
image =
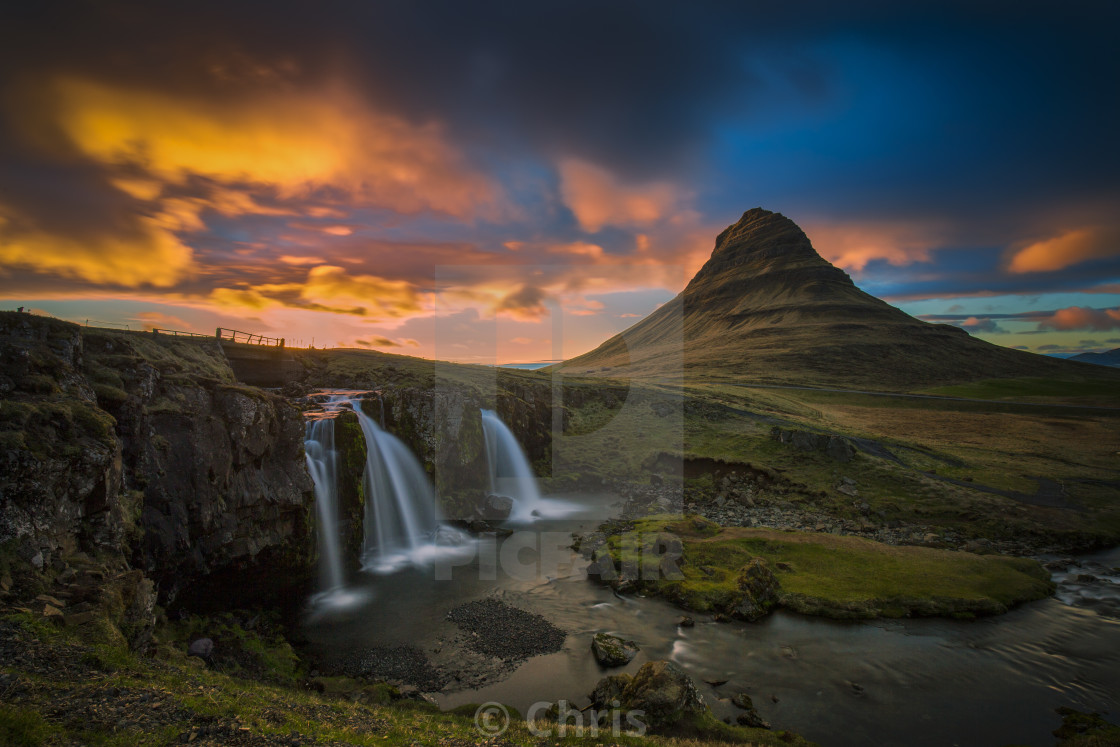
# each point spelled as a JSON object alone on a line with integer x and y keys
{"x": 111, "y": 658}
{"x": 1085, "y": 730}
{"x": 97, "y": 423}
{"x": 835, "y": 576}
{"x": 38, "y": 384}
{"x": 22, "y": 727}
{"x": 109, "y": 396}
{"x": 258, "y": 653}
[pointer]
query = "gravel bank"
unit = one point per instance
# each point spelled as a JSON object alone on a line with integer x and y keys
{"x": 406, "y": 665}
{"x": 494, "y": 628}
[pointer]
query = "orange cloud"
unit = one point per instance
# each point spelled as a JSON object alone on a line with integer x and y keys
{"x": 583, "y": 306}
{"x": 1069, "y": 249}
{"x": 580, "y": 248}
{"x": 1082, "y": 318}
{"x": 329, "y": 288}
{"x": 597, "y": 198}
{"x": 852, "y": 245}
{"x": 290, "y": 141}
{"x": 142, "y": 251}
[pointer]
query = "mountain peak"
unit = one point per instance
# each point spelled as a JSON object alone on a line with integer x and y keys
{"x": 768, "y": 247}
{"x": 767, "y": 308}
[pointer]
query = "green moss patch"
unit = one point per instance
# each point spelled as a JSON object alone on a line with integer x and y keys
{"x": 835, "y": 576}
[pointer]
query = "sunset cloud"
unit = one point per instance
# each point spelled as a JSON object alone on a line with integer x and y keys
{"x": 525, "y": 304}
{"x": 291, "y": 141}
{"x": 1082, "y": 318}
{"x": 852, "y": 246}
{"x": 329, "y": 288}
{"x": 143, "y": 250}
{"x": 597, "y": 198}
{"x": 377, "y": 342}
{"x": 1066, "y": 250}
{"x": 358, "y": 174}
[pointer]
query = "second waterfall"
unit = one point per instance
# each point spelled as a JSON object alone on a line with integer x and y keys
{"x": 401, "y": 523}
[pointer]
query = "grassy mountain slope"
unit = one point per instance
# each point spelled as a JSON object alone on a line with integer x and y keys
{"x": 766, "y": 308}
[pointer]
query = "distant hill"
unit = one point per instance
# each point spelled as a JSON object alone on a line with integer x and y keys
{"x": 766, "y": 308}
{"x": 1108, "y": 358}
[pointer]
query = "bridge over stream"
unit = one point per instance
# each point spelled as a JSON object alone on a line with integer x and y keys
{"x": 256, "y": 360}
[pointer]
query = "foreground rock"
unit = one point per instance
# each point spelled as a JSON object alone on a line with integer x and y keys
{"x": 750, "y": 716}
{"x": 759, "y": 589}
{"x": 661, "y": 689}
{"x": 612, "y": 651}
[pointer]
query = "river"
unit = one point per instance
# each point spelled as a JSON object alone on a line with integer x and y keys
{"x": 887, "y": 682}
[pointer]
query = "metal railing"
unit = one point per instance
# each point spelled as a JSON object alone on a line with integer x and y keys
{"x": 248, "y": 338}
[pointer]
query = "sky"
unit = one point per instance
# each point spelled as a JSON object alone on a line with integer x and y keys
{"x": 510, "y": 182}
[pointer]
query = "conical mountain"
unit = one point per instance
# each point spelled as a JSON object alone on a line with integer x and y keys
{"x": 766, "y": 308}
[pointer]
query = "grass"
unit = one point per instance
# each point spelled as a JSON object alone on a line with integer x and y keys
{"x": 68, "y": 706}
{"x": 1071, "y": 390}
{"x": 838, "y": 576}
{"x": 23, "y": 727}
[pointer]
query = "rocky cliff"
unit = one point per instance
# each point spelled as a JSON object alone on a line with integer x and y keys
{"x": 114, "y": 442}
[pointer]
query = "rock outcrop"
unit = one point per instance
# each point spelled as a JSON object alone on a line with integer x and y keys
{"x": 144, "y": 446}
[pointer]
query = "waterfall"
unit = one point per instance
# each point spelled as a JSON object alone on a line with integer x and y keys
{"x": 322, "y": 463}
{"x": 511, "y": 475}
{"x": 401, "y": 525}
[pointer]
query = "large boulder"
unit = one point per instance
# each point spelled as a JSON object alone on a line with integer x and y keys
{"x": 664, "y": 692}
{"x": 609, "y": 690}
{"x": 759, "y": 589}
{"x": 612, "y": 651}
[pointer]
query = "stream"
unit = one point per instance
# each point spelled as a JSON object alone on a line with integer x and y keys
{"x": 993, "y": 681}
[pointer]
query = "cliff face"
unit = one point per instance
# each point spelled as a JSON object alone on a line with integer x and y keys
{"x": 125, "y": 443}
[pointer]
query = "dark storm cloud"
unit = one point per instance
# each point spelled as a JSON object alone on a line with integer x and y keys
{"x": 1019, "y": 91}
{"x": 999, "y": 118}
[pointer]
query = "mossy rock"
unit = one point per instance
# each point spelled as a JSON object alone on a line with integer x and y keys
{"x": 612, "y": 651}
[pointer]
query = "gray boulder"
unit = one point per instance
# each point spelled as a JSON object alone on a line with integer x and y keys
{"x": 664, "y": 692}
{"x": 612, "y": 651}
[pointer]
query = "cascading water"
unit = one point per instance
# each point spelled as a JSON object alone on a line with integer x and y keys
{"x": 401, "y": 523}
{"x": 511, "y": 475}
{"x": 322, "y": 463}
